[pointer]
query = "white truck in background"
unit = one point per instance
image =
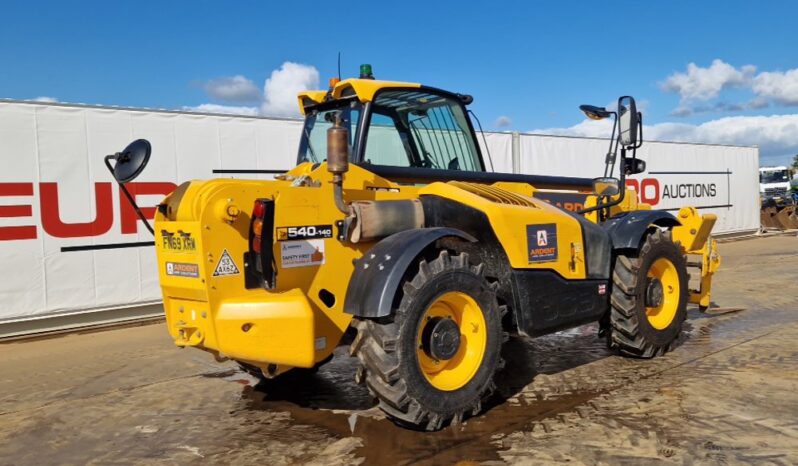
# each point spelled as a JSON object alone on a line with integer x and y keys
{"x": 774, "y": 186}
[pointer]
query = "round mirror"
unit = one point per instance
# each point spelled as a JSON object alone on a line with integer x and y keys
{"x": 131, "y": 161}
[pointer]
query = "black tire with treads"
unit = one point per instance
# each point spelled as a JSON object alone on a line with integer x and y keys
{"x": 387, "y": 347}
{"x": 629, "y": 329}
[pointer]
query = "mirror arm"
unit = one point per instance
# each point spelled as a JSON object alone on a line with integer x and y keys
{"x": 640, "y": 125}
{"x": 621, "y": 186}
{"x": 611, "y": 153}
{"x": 129, "y": 197}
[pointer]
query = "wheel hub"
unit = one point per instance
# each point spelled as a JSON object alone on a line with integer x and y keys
{"x": 441, "y": 338}
{"x": 654, "y": 293}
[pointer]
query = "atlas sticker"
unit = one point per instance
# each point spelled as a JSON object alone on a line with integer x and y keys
{"x": 226, "y": 266}
{"x": 304, "y": 232}
{"x": 302, "y": 253}
{"x": 182, "y": 269}
{"x": 542, "y": 242}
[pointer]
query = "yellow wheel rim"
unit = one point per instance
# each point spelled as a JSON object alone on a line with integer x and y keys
{"x": 660, "y": 317}
{"x": 451, "y": 374}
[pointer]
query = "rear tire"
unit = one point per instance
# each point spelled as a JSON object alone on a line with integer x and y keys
{"x": 637, "y": 326}
{"x": 415, "y": 385}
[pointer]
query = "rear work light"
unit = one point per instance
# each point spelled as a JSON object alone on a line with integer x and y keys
{"x": 260, "y": 269}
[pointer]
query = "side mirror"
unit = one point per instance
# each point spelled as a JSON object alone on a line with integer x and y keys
{"x": 627, "y": 121}
{"x": 131, "y": 161}
{"x": 606, "y": 186}
{"x": 634, "y": 166}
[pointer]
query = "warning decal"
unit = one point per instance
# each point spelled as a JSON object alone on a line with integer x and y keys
{"x": 226, "y": 266}
{"x": 541, "y": 242}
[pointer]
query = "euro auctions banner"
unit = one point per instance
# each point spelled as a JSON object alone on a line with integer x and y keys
{"x": 69, "y": 242}
{"x": 722, "y": 180}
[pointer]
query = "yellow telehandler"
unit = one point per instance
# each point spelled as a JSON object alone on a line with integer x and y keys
{"x": 390, "y": 224}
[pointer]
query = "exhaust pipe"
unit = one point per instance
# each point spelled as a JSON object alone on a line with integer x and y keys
{"x": 338, "y": 161}
{"x": 366, "y": 220}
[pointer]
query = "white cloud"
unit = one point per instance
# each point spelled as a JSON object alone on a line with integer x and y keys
{"x": 233, "y": 89}
{"x": 699, "y": 84}
{"x": 503, "y": 122}
{"x": 781, "y": 87}
{"x": 706, "y": 83}
{"x": 228, "y": 109}
{"x": 774, "y": 134}
{"x": 282, "y": 87}
{"x": 46, "y": 99}
{"x": 277, "y": 99}
{"x": 687, "y": 110}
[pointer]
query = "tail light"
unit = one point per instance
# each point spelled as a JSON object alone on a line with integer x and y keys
{"x": 260, "y": 269}
{"x": 257, "y": 225}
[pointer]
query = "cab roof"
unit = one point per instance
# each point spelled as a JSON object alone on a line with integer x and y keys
{"x": 363, "y": 89}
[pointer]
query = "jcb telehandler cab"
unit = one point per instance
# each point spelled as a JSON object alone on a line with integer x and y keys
{"x": 391, "y": 224}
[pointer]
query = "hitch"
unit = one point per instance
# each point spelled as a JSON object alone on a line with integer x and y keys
{"x": 694, "y": 236}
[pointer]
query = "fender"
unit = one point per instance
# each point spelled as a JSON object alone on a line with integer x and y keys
{"x": 378, "y": 274}
{"x": 628, "y": 228}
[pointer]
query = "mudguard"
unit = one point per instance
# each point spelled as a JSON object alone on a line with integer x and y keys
{"x": 378, "y": 274}
{"x": 627, "y": 229}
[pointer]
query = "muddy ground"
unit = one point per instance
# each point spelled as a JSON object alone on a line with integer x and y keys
{"x": 727, "y": 395}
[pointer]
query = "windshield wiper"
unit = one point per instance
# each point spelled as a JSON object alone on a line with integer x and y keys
{"x": 310, "y": 146}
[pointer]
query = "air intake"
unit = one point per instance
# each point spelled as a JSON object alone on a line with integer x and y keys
{"x": 494, "y": 194}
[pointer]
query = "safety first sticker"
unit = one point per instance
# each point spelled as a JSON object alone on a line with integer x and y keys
{"x": 542, "y": 242}
{"x": 302, "y": 253}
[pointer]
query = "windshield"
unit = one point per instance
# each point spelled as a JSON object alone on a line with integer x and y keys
{"x": 412, "y": 128}
{"x": 780, "y": 176}
{"x": 313, "y": 146}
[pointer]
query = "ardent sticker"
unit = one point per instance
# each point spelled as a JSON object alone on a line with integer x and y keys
{"x": 226, "y": 266}
{"x": 182, "y": 269}
{"x": 302, "y": 253}
{"x": 542, "y": 242}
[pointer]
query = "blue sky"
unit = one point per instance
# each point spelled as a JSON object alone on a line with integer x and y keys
{"x": 528, "y": 64}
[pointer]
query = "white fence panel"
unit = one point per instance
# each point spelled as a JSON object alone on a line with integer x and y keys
{"x": 58, "y": 204}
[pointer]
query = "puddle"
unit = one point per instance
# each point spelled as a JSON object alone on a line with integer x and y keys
{"x": 331, "y": 400}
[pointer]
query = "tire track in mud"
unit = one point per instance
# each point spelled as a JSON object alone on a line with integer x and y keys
{"x": 727, "y": 394}
{"x": 580, "y": 397}
{"x": 553, "y": 385}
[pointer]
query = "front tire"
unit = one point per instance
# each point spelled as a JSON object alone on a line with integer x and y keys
{"x": 433, "y": 361}
{"x": 649, "y": 298}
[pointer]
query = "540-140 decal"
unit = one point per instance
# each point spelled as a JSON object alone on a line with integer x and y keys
{"x": 304, "y": 232}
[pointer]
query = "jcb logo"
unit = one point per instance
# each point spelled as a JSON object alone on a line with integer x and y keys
{"x": 51, "y": 221}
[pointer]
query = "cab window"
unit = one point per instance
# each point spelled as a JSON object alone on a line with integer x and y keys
{"x": 410, "y": 128}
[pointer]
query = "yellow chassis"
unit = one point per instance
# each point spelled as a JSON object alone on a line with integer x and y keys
{"x": 291, "y": 326}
